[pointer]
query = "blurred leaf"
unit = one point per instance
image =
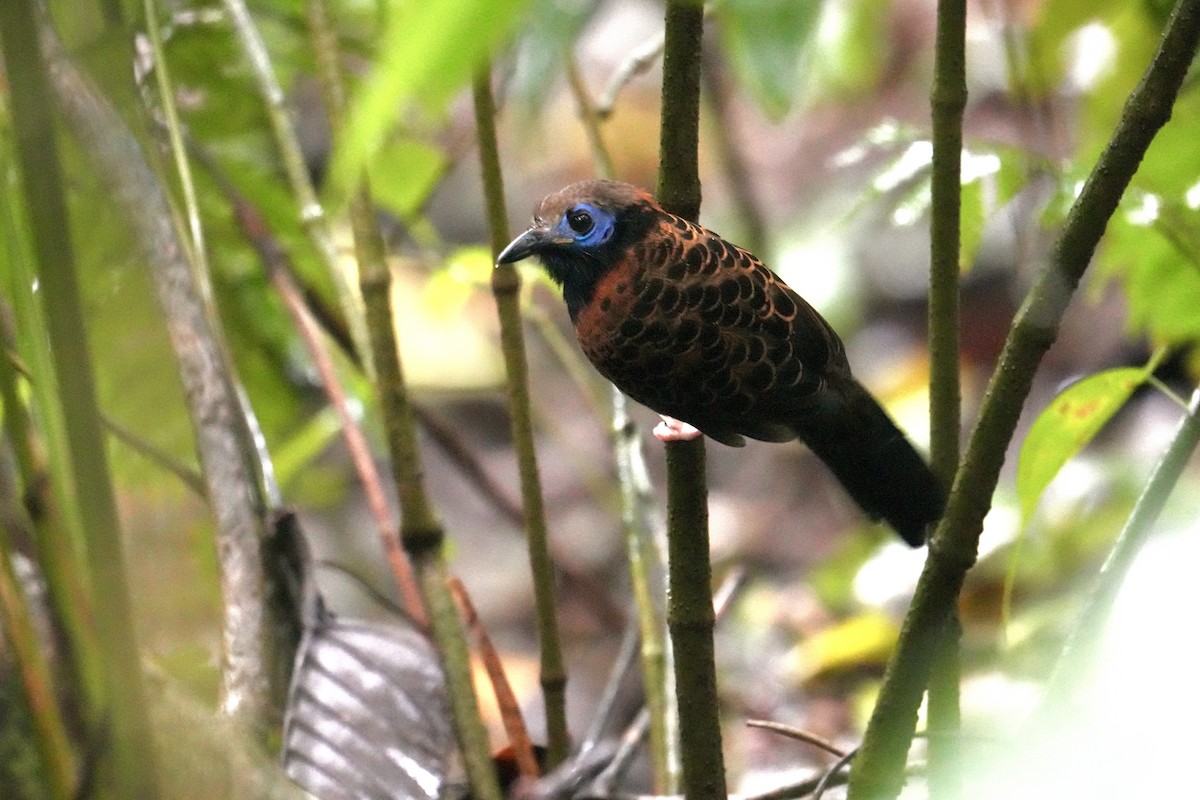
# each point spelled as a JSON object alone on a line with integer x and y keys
{"x": 767, "y": 42}
{"x": 864, "y": 640}
{"x": 367, "y": 715}
{"x": 850, "y": 48}
{"x": 427, "y": 53}
{"x": 403, "y": 175}
{"x": 1152, "y": 248}
{"x": 1071, "y": 420}
{"x": 1048, "y": 52}
{"x": 367, "y": 712}
{"x": 467, "y": 270}
{"x": 294, "y": 454}
{"x": 550, "y": 29}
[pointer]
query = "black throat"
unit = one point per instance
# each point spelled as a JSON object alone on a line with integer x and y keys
{"x": 578, "y": 270}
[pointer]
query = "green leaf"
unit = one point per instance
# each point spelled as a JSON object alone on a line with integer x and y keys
{"x": 850, "y": 48}
{"x": 1071, "y": 420}
{"x": 1152, "y": 247}
{"x": 404, "y": 174}
{"x": 427, "y": 53}
{"x": 767, "y": 41}
{"x": 552, "y": 29}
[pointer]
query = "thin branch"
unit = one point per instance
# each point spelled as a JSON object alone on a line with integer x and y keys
{"x": 879, "y": 772}
{"x": 753, "y": 233}
{"x": 799, "y": 735}
{"x": 356, "y": 442}
{"x": 690, "y": 615}
{"x": 948, "y": 99}
{"x": 506, "y": 698}
{"x": 189, "y": 477}
{"x": 506, "y": 288}
{"x": 309, "y": 209}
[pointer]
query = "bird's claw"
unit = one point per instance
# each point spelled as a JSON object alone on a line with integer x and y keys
{"x": 673, "y": 430}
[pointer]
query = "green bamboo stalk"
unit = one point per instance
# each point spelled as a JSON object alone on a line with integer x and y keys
{"x": 311, "y": 211}
{"x": 948, "y": 99}
{"x": 690, "y": 615}
{"x": 421, "y": 533}
{"x": 879, "y": 767}
{"x": 646, "y": 563}
{"x": 1081, "y": 645}
{"x": 58, "y": 534}
{"x": 506, "y": 288}
{"x": 690, "y": 621}
{"x": 130, "y": 741}
{"x": 323, "y": 37}
{"x": 183, "y": 168}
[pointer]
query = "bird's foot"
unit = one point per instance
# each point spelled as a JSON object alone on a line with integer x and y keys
{"x": 672, "y": 430}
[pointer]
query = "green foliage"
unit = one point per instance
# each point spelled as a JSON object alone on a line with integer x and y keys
{"x": 1071, "y": 420}
{"x": 767, "y": 42}
{"x": 1152, "y": 246}
{"x": 850, "y": 49}
{"x": 427, "y": 52}
{"x": 1152, "y": 251}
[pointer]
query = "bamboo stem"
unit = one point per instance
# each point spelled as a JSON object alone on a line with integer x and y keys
{"x": 948, "y": 99}
{"x": 690, "y": 616}
{"x": 646, "y": 562}
{"x": 879, "y": 768}
{"x": 506, "y": 288}
{"x": 309, "y": 208}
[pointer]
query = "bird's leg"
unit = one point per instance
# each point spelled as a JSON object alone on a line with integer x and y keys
{"x": 673, "y": 430}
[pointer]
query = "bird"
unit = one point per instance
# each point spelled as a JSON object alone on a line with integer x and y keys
{"x": 702, "y": 332}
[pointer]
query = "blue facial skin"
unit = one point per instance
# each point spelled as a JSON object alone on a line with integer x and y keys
{"x": 588, "y": 225}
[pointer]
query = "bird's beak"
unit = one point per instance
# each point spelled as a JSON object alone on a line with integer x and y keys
{"x": 529, "y": 243}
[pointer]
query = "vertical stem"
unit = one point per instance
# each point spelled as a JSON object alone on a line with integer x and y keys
{"x": 323, "y": 37}
{"x": 645, "y": 560}
{"x": 690, "y": 620}
{"x": 129, "y": 737}
{"x": 678, "y": 188}
{"x": 420, "y": 532}
{"x": 645, "y": 565}
{"x": 879, "y": 766}
{"x": 506, "y": 287}
{"x": 689, "y": 612}
{"x": 948, "y": 99}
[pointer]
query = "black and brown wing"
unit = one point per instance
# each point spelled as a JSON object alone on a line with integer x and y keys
{"x": 701, "y": 330}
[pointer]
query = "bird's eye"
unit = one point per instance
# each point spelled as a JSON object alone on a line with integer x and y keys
{"x": 580, "y": 220}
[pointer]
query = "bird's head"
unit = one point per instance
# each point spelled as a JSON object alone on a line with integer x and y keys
{"x": 580, "y": 232}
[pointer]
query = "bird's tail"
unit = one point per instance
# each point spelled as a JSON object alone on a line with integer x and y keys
{"x": 874, "y": 460}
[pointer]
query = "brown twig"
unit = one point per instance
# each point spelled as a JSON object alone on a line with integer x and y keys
{"x": 797, "y": 734}
{"x": 277, "y": 265}
{"x": 506, "y": 699}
